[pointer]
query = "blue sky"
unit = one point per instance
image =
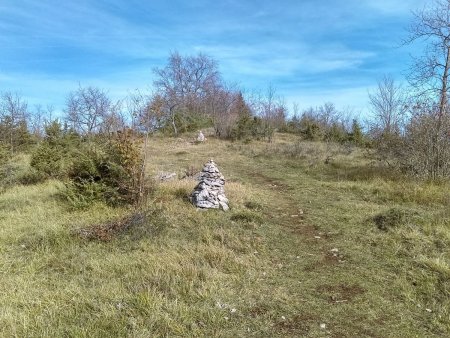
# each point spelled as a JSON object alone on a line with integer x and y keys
{"x": 311, "y": 51}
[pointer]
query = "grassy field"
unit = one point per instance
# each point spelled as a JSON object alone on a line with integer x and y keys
{"x": 320, "y": 241}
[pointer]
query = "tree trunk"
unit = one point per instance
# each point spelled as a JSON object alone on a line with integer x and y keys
{"x": 442, "y": 111}
{"x": 175, "y": 130}
{"x": 443, "y": 103}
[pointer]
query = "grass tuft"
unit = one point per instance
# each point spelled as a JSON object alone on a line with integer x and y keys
{"x": 391, "y": 218}
{"x": 246, "y": 217}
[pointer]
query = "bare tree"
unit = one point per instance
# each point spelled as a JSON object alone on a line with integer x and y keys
{"x": 13, "y": 115}
{"x": 86, "y": 109}
{"x": 136, "y": 103}
{"x": 430, "y": 74}
{"x": 224, "y": 104}
{"x": 328, "y": 114}
{"x": 430, "y": 71}
{"x": 113, "y": 119}
{"x": 416, "y": 151}
{"x": 295, "y": 110}
{"x": 271, "y": 108}
{"x": 388, "y": 105}
{"x": 184, "y": 84}
{"x": 37, "y": 121}
{"x": 152, "y": 116}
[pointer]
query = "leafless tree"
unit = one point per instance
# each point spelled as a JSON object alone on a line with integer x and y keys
{"x": 388, "y": 106}
{"x": 152, "y": 116}
{"x": 295, "y": 110}
{"x": 429, "y": 76}
{"x": 430, "y": 71}
{"x": 270, "y": 107}
{"x": 224, "y": 104}
{"x": 328, "y": 114}
{"x": 87, "y": 108}
{"x": 37, "y": 121}
{"x": 13, "y": 115}
{"x": 136, "y": 103}
{"x": 185, "y": 82}
{"x": 416, "y": 151}
{"x": 113, "y": 119}
{"x": 39, "y": 118}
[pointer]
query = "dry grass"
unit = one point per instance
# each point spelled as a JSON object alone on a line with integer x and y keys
{"x": 299, "y": 254}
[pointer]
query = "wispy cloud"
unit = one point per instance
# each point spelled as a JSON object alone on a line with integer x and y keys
{"x": 48, "y": 46}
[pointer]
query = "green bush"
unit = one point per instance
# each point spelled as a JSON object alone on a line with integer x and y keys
{"x": 356, "y": 136}
{"x": 311, "y": 130}
{"x": 49, "y": 160}
{"x": 248, "y": 127}
{"x": 110, "y": 172}
{"x": 53, "y": 156}
{"x": 336, "y": 133}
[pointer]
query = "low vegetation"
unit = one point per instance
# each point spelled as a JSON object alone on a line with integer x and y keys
{"x": 321, "y": 240}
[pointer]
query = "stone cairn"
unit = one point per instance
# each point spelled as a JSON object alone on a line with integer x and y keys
{"x": 209, "y": 192}
{"x": 201, "y": 137}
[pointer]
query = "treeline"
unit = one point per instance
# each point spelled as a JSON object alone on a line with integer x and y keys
{"x": 326, "y": 123}
{"x": 189, "y": 94}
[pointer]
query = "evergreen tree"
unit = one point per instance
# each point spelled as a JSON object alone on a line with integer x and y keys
{"x": 356, "y": 136}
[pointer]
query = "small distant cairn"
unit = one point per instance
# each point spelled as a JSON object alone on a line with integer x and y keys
{"x": 201, "y": 137}
{"x": 209, "y": 192}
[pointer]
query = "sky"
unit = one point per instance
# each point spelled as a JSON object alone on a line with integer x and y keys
{"x": 310, "y": 51}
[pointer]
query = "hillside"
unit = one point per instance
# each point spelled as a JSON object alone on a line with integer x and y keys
{"x": 320, "y": 241}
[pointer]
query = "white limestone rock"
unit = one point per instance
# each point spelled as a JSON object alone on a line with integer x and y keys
{"x": 209, "y": 192}
{"x": 200, "y": 137}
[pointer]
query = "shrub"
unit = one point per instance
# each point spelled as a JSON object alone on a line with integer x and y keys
{"x": 356, "y": 136}
{"x": 311, "y": 130}
{"x": 111, "y": 173}
{"x": 52, "y": 158}
{"x": 249, "y": 127}
{"x": 336, "y": 133}
{"x": 49, "y": 161}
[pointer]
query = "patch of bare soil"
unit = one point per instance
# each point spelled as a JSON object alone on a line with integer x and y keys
{"x": 340, "y": 293}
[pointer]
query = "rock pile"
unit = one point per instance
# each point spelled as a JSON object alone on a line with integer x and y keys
{"x": 209, "y": 192}
{"x": 201, "y": 137}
